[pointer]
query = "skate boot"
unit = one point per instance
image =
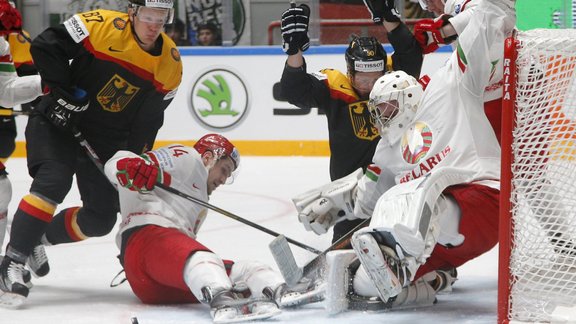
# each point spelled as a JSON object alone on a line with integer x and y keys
{"x": 441, "y": 280}
{"x": 13, "y": 289}
{"x": 305, "y": 292}
{"x": 38, "y": 261}
{"x": 418, "y": 294}
{"x": 229, "y": 306}
{"x": 25, "y": 275}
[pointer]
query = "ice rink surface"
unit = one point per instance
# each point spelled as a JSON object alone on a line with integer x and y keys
{"x": 77, "y": 289}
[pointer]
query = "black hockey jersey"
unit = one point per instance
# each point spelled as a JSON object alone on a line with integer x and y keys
{"x": 352, "y": 135}
{"x": 129, "y": 88}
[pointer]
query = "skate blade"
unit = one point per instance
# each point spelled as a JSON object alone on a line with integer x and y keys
{"x": 247, "y": 317}
{"x": 10, "y": 300}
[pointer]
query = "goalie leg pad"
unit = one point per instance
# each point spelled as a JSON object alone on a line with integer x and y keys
{"x": 381, "y": 264}
{"x": 338, "y": 279}
{"x": 409, "y": 211}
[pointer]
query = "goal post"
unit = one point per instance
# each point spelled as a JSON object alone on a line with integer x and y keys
{"x": 537, "y": 262}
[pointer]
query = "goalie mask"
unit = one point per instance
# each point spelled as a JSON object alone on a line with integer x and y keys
{"x": 221, "y": 147}
{"x": 137, "y": 5}
{"x": 393, "y": 103}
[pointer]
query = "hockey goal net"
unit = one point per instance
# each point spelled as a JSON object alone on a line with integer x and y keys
{"x": 537, "y": 280}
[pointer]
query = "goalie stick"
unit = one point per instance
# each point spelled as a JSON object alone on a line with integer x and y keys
{"x": 96, "y": 160}
{"x": 287, "y": 263}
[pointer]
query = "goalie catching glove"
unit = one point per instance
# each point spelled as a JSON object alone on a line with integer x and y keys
{"x": 294, "y": 28}
{"x": 382, "y": 10}
{"x": 138, "y": 174}
{"x": 321, "y": 208}
{"x": 428, "y": 33}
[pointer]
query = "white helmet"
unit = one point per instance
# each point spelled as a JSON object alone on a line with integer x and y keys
{"x": 402, "y": 92}
{"x": 424, "y": 3}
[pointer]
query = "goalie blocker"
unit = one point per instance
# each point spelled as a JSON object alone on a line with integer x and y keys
{"x": 323, "y": 207}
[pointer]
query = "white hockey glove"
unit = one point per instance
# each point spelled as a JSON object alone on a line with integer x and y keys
{"x": 321, "y": 208}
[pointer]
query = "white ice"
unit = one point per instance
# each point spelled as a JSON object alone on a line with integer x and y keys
{"x": 77, "y": 289}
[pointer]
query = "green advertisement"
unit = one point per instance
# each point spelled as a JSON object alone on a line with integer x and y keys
{"x": 544, "y": 14}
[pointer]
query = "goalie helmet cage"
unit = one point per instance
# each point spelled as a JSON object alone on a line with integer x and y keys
{"x": 537, "y": 262}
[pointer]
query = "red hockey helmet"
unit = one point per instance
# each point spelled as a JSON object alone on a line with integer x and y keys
{"x": 220, "y": 146}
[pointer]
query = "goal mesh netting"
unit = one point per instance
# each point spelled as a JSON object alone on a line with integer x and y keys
{"x": 538, "y": 228}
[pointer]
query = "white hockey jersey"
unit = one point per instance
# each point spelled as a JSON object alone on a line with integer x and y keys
{"x": 449, "y": 129}
{"x": 160, "y": 207}
{"x": 15, "y": 90}
{"x": 462, "y": 11}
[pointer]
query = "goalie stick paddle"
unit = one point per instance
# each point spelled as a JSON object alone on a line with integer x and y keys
{"x": 287, "y": 263}
{"x": 96, "y": 160}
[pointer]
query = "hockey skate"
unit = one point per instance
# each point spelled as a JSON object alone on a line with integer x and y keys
{"x": 418, "y": 294}
{"x": 38, "y": 261}
{"x": 442, "y": 280}
{"x": 383, "y": 266}
{"x": 305, "y": 292}
{"x": 230, "y": 306}
{"x": 342, "y": 294}
{"x": 13, "y": 289}
{"x": 25, "y": 275}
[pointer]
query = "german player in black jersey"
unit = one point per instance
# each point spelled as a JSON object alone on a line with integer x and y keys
{"x": 111, "y": 76}
{"x": 352, "y": 135}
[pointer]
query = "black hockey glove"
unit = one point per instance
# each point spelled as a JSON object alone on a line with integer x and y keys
{"x": 64, "y": 109}
{"x": 382, "y": 9}
{"x": 294, "y": 28}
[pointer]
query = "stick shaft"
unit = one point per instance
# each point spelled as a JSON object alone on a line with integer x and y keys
{"x": 233, "y": 216}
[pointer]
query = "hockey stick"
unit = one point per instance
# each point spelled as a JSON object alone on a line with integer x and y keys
{"x": 94, "y": 157}
{"x": 235, "y": 217}
{"x": 89, "y": 150}
{"x": 10, "y": 112}
{"x": 287, "y": 263}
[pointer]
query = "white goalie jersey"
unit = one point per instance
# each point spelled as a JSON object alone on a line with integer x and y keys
{"x": 15, "y": 90}
{"x": 462, "y": 12}
{"x": 159, "y": 207}
{"x": 450, "y": 128}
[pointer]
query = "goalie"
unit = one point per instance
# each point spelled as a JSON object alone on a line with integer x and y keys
{"x": 433, "y": 192}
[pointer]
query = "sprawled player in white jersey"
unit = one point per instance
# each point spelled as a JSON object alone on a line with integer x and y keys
{"x": 163, "y": 261}
{"x": 433, "y": 192}
{"x": 452, "y": 18}
{"x": 14, "y": 90}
